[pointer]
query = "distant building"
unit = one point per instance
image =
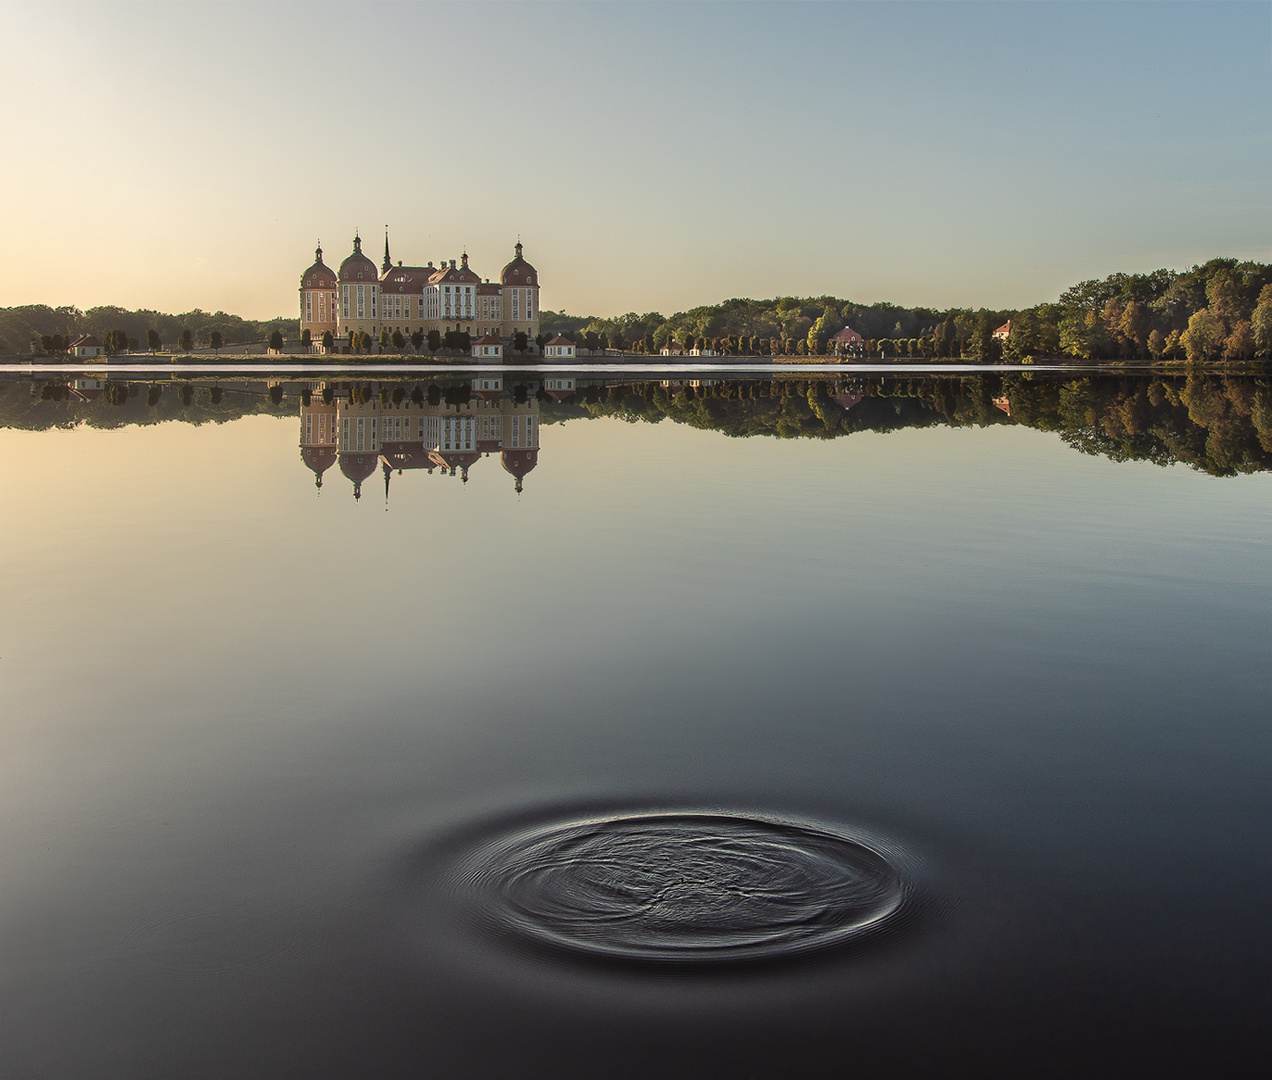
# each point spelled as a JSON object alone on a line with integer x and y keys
{"x": 359, "y": 298}
{"x": 1003, "y": 332}
{"x": 559, "y": 348}
{"x": 86, "y": 347}
{"x": 1003, "y": 403}
{"x": 672, "y": 348}
{"x": 847, "y": 340}
{"x": 318, "y": 286}
{"x": 488, "y": 349}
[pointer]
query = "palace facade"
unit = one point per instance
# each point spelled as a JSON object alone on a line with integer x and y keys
{"x": 358, "y": 298}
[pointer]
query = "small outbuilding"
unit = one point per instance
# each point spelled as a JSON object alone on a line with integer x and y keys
{"x": 559, "y": 348}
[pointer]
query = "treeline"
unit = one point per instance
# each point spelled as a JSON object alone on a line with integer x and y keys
{"x": 1221, "y": 310}
{"x": 133, "y": 330}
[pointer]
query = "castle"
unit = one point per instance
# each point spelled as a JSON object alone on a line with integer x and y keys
{"x": 406, "y": 299}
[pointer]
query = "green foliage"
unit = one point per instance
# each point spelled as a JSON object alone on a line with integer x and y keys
{"x": 275, "y": 340}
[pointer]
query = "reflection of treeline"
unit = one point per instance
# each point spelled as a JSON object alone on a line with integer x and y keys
{"x": 1221, "y": 310}
{"x": 116, "y": 404}
{"x": 1220, "y": 426}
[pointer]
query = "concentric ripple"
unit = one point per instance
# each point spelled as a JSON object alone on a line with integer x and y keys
{"x": 684, "y": 886}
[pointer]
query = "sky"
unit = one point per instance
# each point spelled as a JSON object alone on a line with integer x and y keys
{"x": 651, "y": 156}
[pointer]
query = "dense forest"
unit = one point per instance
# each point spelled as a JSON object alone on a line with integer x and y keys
{"x": 1221, "y": 310}
{"x": 20, "y": 326}
{"x": 1222, "y": 426}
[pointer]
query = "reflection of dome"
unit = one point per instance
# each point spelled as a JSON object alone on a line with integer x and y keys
{"x": 318, "y": 458}
{"x": 519, "y": 462}
{"x": 357, "y": 467}
{"x": 455, "y": 459}
{"x": 318, "y": 276}
{"x": 357, "y": 267}
{"x": 519, "y": 272}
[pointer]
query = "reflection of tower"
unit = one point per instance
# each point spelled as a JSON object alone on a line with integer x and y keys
{"x": 317, "y": 434}
{"x": 520, "y": 451}
{"x": 358, "y": 434}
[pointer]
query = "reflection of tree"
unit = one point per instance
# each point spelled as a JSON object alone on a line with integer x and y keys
{"x": 1218, "y": 425}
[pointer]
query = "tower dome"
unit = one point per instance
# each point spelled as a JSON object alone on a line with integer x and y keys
{"x": 318, "y": 276}
{"x": 519, "y": 272}
{"x": 357, "y": 267}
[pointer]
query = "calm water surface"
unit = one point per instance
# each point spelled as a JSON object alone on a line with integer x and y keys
{"x": 930, "y": 738}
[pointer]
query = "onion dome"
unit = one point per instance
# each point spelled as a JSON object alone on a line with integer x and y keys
{"x": 519, "y": 463}
{"x": 319, "y": 459}
{"x": 357, "y": 267}
{"x": 318, "y": 276}
{"x": 357, "y": 467}
{"x": 519, "y": 272}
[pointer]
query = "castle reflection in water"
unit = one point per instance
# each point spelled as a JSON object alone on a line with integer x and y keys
{"x": 444, "y": 431}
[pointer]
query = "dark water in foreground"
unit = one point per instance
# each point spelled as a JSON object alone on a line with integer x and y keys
{"x": 924, "y": 732}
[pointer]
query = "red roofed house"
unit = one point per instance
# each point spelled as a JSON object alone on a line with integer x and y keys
{"x": 672, "y": 348}
{"x": 559, "y": 348}
{"x": 847, "y": 340}
{"x": 1004, "y": 331}
{"x": 86, "y": 346}
{"x": 488, "y": 349}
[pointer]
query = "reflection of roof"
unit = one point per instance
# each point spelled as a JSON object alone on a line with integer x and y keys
{"x": 561, "y": 395}
{"x": 454, "y": 459}
{"x": 318, "y": 458}
{"x": 357, "y": 467}
{"x": 519, "y": 462}
{"x": 405, "y": 455}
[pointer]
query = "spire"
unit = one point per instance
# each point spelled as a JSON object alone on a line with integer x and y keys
{"x": 387, "y": 473}
{"x": 518, "y": 247}
{"x": 357, "y": 243}
{"x": 388, "y": 263}
{"x": 463, "y": 260}
{"x": 318, "y": 252}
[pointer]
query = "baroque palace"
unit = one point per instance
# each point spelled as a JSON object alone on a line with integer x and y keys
{"x": 360, "y": 298}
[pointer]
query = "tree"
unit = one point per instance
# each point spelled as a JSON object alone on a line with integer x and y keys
{"x": 1239, "y": 345}
{"x": 1261, "y": 322}
{"x": 327, "y": 340}
{"x": 434, "y": 341}
{"x": 275, "y": 341}
{"x": 520, "y": 341}
{"x": 384, "y": 338}
{"x": 153, "y": 341}
{"x": 186, "y": 341}
{"x": 1203, "y": 338}
{"x": 214, "y": 339}
{"x": 417, "y": 340}
{"x": 306, "y": 338}
{"x": 399, "y": 342}
{"x": 1156, "y": 344}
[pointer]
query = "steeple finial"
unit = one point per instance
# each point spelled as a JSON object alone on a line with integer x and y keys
{"x": 518, "y": 245}
{"x": 318, "y": 252}
{"x": 388, "y": 263}
{"x": 357, "y": 242}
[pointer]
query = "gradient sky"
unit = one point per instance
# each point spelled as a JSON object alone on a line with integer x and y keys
{"x": 651, "y": 156}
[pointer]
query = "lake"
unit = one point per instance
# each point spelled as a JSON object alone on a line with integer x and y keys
{"x": 569, "y": 725}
